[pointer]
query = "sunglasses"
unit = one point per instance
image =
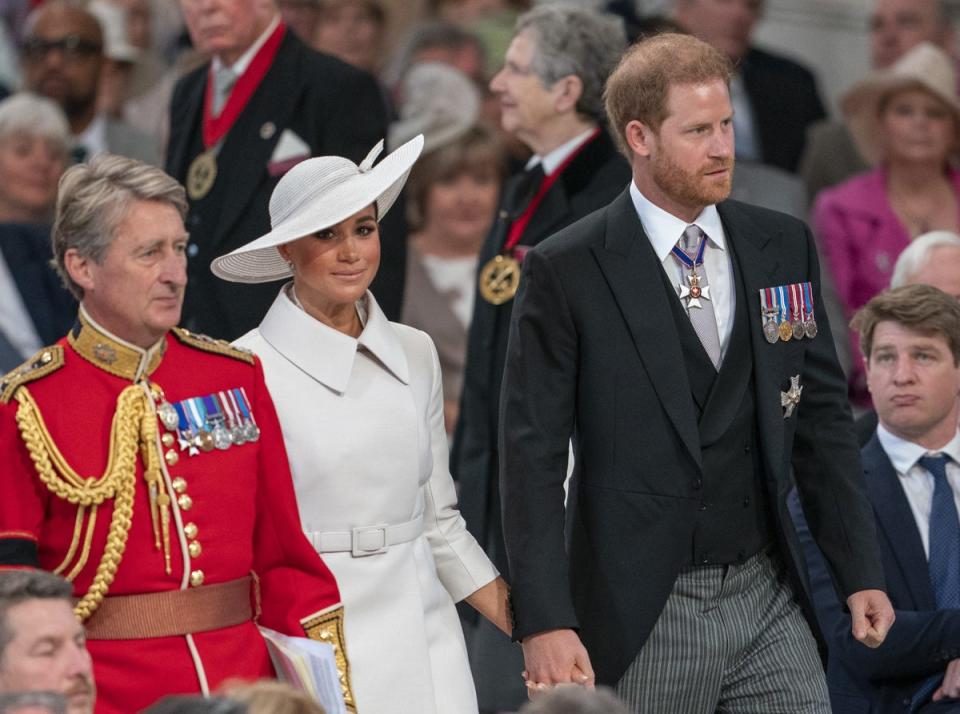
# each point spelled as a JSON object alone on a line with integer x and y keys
{"x": 71, "y": 46}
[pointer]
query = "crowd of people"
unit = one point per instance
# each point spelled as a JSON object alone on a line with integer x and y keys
{"x": 483, "y": 342}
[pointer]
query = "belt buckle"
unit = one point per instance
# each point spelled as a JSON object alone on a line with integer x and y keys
{"x": 368, "y": 540}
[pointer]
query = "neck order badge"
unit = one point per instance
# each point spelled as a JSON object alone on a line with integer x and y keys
{"x": 202, "y": 173}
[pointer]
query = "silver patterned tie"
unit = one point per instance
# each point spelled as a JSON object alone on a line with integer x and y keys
{"x": 223, "y": 81}
{"x": 702, "y": 318}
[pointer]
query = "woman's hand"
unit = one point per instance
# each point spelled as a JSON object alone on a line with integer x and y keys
{"x": 493, "y": 602}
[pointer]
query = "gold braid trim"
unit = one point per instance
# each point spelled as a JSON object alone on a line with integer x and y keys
{"x": 117, "y": 482}
{"x": 209, "y": 344}
{"x": 327, "y": 626}
{"x": 74, "y": 543}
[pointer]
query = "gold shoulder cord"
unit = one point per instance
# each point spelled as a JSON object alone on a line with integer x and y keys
{"x": 130, "y": 428}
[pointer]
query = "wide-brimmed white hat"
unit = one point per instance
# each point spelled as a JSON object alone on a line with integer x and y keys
{"x": 925, "y": 67}
{"x": 313, "y": 195}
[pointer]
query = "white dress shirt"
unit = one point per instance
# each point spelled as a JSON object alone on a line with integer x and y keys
{"x": 551, "y": 162}
{"x": 94, "y": 138}
{"x": 916, "y": 481}
{"x": 664, "y": 230}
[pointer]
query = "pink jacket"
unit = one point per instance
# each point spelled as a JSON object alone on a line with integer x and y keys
{"x": 860, "y": 238}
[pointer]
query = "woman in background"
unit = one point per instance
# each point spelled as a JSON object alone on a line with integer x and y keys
{"x": 906, "y": 121}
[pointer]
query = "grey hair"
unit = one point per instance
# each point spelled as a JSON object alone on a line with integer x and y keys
{"x": 576, "y": 700}
{"x": 17, "y": 586}
{"x": 574, "y": 41}
{"x": 94, "y": 198}
{"x": 26, "y": 113}
{"x": 916, "y": 255}
{"x": 14, "y": 702}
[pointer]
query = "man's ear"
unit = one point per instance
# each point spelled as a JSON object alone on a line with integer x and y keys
{"x": 640, "y": 137}
{"x": 79, "y": 268}
{"x": 570, "y": 90}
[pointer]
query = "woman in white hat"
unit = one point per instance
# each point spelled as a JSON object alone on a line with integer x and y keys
{"x": 361, "y": 406}
{"x": 906, "y": 122}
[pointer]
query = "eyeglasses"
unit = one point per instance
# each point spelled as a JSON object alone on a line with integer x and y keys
{"x": 72, "y": 46}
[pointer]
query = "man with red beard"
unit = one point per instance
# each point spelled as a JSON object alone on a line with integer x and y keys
{"x": 673, "y": 335}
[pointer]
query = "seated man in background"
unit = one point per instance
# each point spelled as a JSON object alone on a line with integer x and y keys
{"x": 42, "y": 644}
{"x": 910, "y": 337}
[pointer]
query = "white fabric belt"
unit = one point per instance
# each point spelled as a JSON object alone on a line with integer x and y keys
{"x": 366, "y": 540}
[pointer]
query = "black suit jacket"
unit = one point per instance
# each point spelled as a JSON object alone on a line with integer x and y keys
{"x": 594, "y": 352}
{"x": 27, "y": 253}
{"x": 922, "y": 640}
{"x": 593, "y": 178}
{"x": 785, "y": 101}
{"x": 335, "y": 109}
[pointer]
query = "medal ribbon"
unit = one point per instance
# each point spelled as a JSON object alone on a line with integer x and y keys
{"x": 784, "y": 303}
{"x": 241, "y": 396}
{"x": 770, "y": 302}
{"x": 196, "y": 407}
{"x": 227, "y": 409}
{"x": 212, "y": 409}
{"x": 807, "y": 302}
{"x": 796, "y": 304}
{"x": 216, "y": 127}
{"x": 520, "y": 225}
{"x": 182, "y": 416}
{"x": 684, "y": 258}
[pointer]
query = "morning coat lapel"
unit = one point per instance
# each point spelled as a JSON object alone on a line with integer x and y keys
{"x": 242, "y": 161}
{"x": 634, "y": 275}
{"x": 896, "y": 521}
{"x": 760, "y": 268}
{"x": 187, "y": 122}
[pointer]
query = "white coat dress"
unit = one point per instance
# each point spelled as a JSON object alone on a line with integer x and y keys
{"x": 362, "y": 421}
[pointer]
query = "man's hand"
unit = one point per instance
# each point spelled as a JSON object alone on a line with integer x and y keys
{"x": 950, "y": 689}
{"x": 556, "y": 657}
{"x": 872, "y": 616}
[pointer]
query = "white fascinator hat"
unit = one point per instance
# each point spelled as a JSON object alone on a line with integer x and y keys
{"x": 313, "y": 195}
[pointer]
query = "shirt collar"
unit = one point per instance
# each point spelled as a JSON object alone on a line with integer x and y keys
{"x": 551, "y": 162}
{"x": 904, "y": 454}
{"x": 240, "y": 66}
{"x": 327, "y": 354}
{"x": 113, "y": 354}
{"x": 664, "y": 229}
{"x": 94, "y": 137}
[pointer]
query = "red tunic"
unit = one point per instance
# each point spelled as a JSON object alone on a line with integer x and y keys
{"x": 240, "y": 507}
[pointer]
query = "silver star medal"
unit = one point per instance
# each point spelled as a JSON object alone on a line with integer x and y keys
{"x": 791, "y": 398}
{"x": 694, "y": 292}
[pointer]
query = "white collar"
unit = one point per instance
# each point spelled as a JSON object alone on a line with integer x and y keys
{"x": 904, "y": 454}
{"x": 665, "y": 229}
{"x": 327, "y": 354}
{"x": 94, "y": 137}
{"x": 240, "y": 66}
{"x": 551, "y": 162}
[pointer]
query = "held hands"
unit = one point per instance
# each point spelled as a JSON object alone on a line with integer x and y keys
{"x": 872, "y": 616}
{"x": 555, "y": 657}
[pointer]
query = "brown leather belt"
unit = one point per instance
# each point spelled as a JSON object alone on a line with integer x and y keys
{"x": 172, "y": 612}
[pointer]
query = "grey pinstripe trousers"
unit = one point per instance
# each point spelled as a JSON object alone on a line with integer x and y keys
{"x": 730, "y": 639}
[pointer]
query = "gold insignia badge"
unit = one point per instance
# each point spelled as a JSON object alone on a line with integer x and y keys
{"x": 500, "y": 279}
{"x": 201, "y": 175}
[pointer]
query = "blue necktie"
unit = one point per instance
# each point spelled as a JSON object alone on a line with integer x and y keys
{"x": 944, "y": 560}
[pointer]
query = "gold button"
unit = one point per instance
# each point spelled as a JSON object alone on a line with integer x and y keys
{"x": 196, "y": 578}
{"x": 172, "y": 457}
{"x": 194, "y": 549}
{"x": 190, "y": 530}
{"x": 167, "y": 439}
{"x": 46, "y": 357}
{"x": 179, "y": 485}
{"x": 185, "y": 502}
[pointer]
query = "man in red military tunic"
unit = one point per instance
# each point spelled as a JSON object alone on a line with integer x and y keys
{"x": 145, "y": 463}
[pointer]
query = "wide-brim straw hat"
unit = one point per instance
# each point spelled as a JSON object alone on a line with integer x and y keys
{"x": 313, "y": 195}
{"x": 925, "y": 67}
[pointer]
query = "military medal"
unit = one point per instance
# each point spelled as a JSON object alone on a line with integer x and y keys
{"x": 693, "y": 292}
{"x": 201, "y": 175}
{"x": 168, "y": 415}
{"x": 768, "y": 313}
{"x": 229, "y": 404}
{"x": 250, "y": 429}
{"x": 795, "y": 311}
{"x": 500, "y": 279}
{"x": 809, "y": 324}
{"x": 216, "y": 419}
{"x": 790, "y": 399}
{"x": 786, "y": 330}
